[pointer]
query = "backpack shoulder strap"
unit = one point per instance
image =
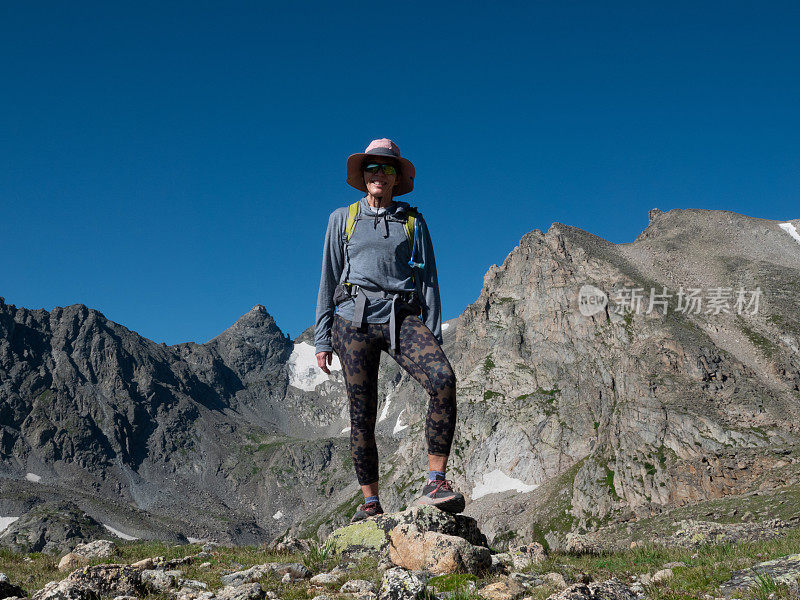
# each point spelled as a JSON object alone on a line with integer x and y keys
{"x": 351, "y": 218}
{"x": 411, "y": 222}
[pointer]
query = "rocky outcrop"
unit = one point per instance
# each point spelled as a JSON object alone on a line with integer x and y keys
{"x": 376, "y": 535}
{"x": 436, "y": 552}
{"x": 50, "y": 527}
{"x": 612, "y": 589}
{"x": 784, "y": 570}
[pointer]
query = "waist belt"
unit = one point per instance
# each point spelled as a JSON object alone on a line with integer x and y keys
{"x": 361, "y": 295}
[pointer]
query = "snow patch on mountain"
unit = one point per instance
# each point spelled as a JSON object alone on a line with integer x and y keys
{"x": 791, "y": 230}
{"x": 6, "y": 521}
{"x": 304, "y": 373}
{"x": 399, "y": 426}
{"x": 117, "y": 532}
{"x": 194, "y": 540}
{"x": 496, "y": 481}
{"x": 385, "y": 410}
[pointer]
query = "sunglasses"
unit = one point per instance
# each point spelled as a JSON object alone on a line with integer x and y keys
{"x": 387, "y": 169}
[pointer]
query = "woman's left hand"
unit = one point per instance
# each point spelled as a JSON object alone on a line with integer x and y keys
{"x": 322, "y": 358}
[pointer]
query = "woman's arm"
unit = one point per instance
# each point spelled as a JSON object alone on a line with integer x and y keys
{"x": 332, "y": 265}
{"x": 431, "y": 305}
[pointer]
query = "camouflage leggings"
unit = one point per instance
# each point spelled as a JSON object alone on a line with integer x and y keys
{"x": 359, "y": 349}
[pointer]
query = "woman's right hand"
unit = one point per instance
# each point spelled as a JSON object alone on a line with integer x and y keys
{"x": 322, "y": 359}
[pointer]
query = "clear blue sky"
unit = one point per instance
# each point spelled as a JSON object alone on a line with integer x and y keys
{"x": 173, "y": 164}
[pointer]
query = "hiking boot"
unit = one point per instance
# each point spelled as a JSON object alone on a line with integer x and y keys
{"x": 440, "y": 493}
{"x": 367, "y": 510}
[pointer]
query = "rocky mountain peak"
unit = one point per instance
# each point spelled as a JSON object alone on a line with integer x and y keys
{"x": 254, "y": 345}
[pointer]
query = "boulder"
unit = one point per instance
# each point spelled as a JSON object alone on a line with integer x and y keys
{"x": 246, "y": 591}
{"x": 97, "y": 549}
{"x": 662, "y": 575}
{"x": 145, "y": 563}
{"x": 92, "y": 582}
{"x": 158, "y": 580}
{"x": 555, "y": 579}
{"x": 436, "y": 552}
{"x": 357, "y": 586}
{"x": 528, "y": 580}
{"x": 324, "y": 579}
{"x": 250, "y": 575}
{"x": 289, "y": 545}
{"x": 502, "y": 590}
{"x": 295, "y": 571}
{"x": 51, "y": 527}
{"x": 370, "y": 537}
{"x": 71, "y": 561}
{"x": 524, "y": 556}
{"x": 399, "y": 584}
{"x": 784, "y": 570}
{"x": 611, "y": 589}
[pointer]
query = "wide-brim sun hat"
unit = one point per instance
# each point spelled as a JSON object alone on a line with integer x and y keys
{"x": 382, "y": 148}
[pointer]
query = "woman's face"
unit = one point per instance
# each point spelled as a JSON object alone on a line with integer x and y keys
{"x": 379, "y": 183}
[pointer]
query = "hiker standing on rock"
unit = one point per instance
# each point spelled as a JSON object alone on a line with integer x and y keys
{"x": 379, "y": 291}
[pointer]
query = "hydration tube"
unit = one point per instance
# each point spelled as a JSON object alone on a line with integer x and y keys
{"x": 411, "y": 262}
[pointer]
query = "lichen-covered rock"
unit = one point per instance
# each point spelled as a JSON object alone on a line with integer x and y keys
{"x": 290, "y": 544}
{"x": 784, "y": 570}
{"x": 555, "y": 579}
{"x": 502, "y": 590}
{"x": 581, "y": 544}
{"x": 612, "y": 589}
{"x": 246, "y": 591}
{"x": 71, "y": 561}
{"x": 357, "y": 586}
{"x": 192, "y": 584}
{"x": 662, "y": 575}
{"x": 249, "y": 575}
{"x": 295, "y": 571}
{"x": 399, "y": 584}
{"x": 96, "y": 549}
{"x": 161, "y": 581}
{"x": 527, "y": 580}
{"x": 371, "y": 536}
{"x": 692, "y": 533}
{"x": 526, "y": 555}
{"x": 324, "y": 579}
{"x": 92, "y": 582}
{"x": 436, "y": 552}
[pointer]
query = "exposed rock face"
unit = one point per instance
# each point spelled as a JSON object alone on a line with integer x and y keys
{"x": 584, "y": 419}
{"x": 784, "y": 570}
{"x": 623, "y": 415}
{"x": 50, "y": 527}
{"x": 191, "y": 432}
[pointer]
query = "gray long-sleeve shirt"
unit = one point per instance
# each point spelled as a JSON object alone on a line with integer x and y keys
{"x": 376, "y": 259}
